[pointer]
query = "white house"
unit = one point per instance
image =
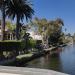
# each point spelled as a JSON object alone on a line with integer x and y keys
{"x": 8, "y": 34}
{"x": 35, "y": 35}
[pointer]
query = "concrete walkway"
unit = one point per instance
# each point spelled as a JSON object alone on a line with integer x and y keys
{"x": 27, "y": 71}
{"x": 8, "y": 74}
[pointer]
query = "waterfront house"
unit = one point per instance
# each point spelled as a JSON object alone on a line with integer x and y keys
{"x": 9, "y": 35}
{"x": 35, "y": 35}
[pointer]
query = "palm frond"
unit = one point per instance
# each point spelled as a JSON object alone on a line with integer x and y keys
{"x": 22, "y": 8}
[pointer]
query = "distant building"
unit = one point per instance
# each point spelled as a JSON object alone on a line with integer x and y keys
{"x": 69, "y": 39}
{"x": 9, "y": 35}
{"x": 35, "y": 35}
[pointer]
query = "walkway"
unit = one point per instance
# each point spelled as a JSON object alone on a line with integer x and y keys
{"x": 27, "y": 71}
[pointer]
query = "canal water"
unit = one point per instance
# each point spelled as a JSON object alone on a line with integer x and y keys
{"x": 63, "y": 61}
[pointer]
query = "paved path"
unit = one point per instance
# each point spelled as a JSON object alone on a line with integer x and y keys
{"x": 27, "y": 71}
{"x": 8, "y": 74}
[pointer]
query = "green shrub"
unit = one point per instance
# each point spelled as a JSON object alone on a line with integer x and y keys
{"x": 29, "y": 44}
{"x": 32, "y": 43}
{"x": 11, "y": 45}
{"x": 38, "y": 41}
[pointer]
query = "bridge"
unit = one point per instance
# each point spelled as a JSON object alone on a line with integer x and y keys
{"x": 5, "y": 70}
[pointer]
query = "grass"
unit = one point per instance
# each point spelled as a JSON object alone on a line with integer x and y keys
{"x": 24, "y": 56}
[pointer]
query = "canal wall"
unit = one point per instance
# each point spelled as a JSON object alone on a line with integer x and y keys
{"x": 26, "y": 58}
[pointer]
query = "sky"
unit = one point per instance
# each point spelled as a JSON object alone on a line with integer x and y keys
{"x": 52, "y": 9}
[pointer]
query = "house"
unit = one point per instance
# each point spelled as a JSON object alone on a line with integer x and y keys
{"x": 35, "y": 35}
{"x": 68, "y": 39}
{"x": 9, "y": 35}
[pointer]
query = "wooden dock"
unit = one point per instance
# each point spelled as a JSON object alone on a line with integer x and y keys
{"x": 27, "y": 71}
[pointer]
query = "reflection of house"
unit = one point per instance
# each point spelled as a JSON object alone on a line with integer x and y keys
{"x": 35, "y": 35}
{"x": 9, "y": 35}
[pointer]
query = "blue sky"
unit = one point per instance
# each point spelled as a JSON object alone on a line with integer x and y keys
{"x": 52, "y": 9}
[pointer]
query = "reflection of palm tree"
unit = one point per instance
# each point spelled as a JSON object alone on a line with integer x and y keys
{"x": 19, "y": 9}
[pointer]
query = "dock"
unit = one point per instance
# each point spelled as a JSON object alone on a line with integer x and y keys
{"x": 24, "y": 58}
{"x": 50, "y": 49}
{"x": 5, "y": 70}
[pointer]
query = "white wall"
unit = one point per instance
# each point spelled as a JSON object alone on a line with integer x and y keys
{"x": 35, "y": 36}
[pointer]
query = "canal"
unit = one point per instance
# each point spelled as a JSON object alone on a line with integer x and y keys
{"x": 63, "y": 61}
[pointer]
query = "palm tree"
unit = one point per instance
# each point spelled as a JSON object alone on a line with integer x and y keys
{"x": 20, "y": 9}
{"x": 2, "y": 7}
{"x": 3, "y": 4}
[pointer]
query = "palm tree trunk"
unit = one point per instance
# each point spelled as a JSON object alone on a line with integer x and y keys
{"x": 3, "y": 23}
{"x": 17, "y": 28}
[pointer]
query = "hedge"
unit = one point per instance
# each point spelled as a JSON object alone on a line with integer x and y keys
{"x": 11, "y": 45}
{"x": 32, "y": 43}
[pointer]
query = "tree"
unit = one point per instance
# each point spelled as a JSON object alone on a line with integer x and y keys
{"x": 56, "y": 31}
{"x": 41, "y": 25}
{"x": 3, "y": 4}
{"x": 10, "y": 26}
{"x": 48, "y": 29}
{"x": 20, "y": 9}
{"x": 74, "y": 37}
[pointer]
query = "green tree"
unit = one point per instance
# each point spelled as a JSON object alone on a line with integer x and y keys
{"x": 56, "y": 34}
{"x": 3, "y": 5}
{"x": 10, "y": 26}
{"x": 48, "y": 29}
{"x": 41, "y": 25}
{"x": 20, "y": 9}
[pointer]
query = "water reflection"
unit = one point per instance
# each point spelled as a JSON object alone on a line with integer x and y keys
{"x": 67, "y": 57}
{"x": 63, "y": 61}
{"x": 47, "y": 62}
